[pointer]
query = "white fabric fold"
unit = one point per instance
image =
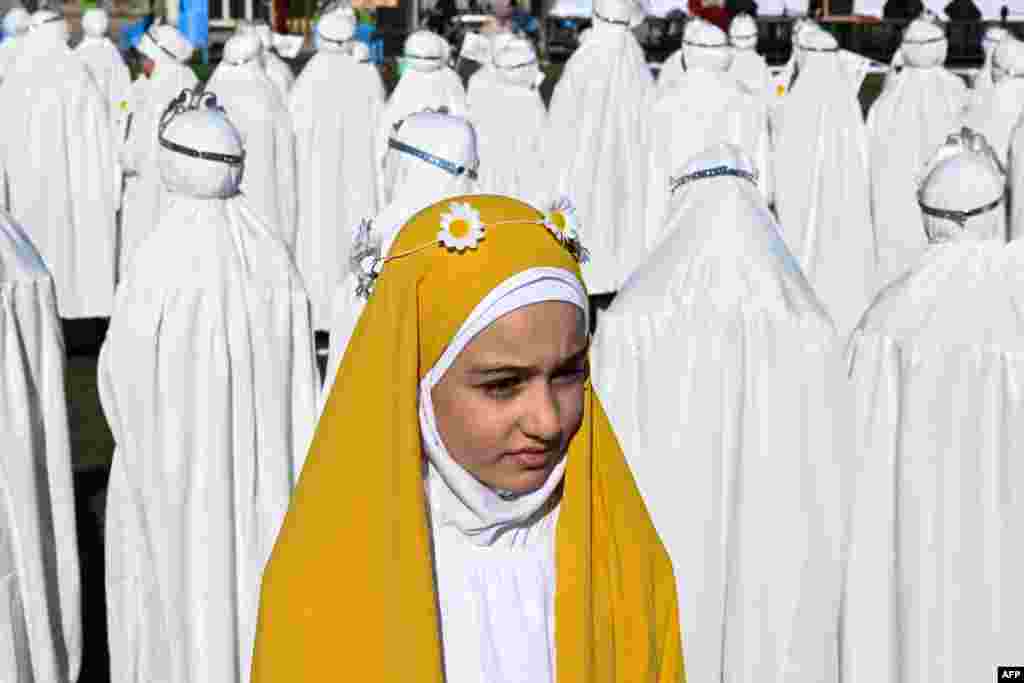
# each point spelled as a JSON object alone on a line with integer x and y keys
{"x": 596, "y": 146}
{"x": 722, "y": 377}
{"x": 40, "y": 591}
{"x": 332, "y": 103}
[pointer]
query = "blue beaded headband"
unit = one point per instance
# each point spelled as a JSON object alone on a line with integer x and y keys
{"x": 958, "y": 217}
{"x": 676, "y": 183}
{"x": 443, "y": 164}
{"x": 194, "y": 100}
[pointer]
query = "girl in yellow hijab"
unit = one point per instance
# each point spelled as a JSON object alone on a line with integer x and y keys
{"x": 465, "y": 514}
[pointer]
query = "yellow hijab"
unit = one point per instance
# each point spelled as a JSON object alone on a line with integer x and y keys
{"x": 349, "y": 592}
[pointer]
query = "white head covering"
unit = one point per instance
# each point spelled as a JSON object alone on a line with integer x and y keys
{"x": 163, "y": 42}
{"x": 204, "y": 131}
{"x": 425, "y": 51}
{"x": 924, "y": 44}
{"x": 49, "y": 26}
{"x": 335, "y": 31}
{"x": 263, "y": 32}
{"x": 95, "y": 22}
{"x": 242, "y": 48}
{"x": 815, "y": 43}
{"x": 359, "y": 51}
{"x": 743, "y": 32}
{"x": 516, "y": 64}
{"x": 705, "y": 46}
{"x": 1008, "y": 60}
{"x": 17, "y": 21}
{"x": 416, "y": 182}
{"x": 964, "y": 177}
{"x": 623, "y": 13}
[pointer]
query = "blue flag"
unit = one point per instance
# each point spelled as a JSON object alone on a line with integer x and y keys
{"x": 194, "y": 21}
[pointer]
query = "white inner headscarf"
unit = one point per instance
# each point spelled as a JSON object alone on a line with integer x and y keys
{"x": 479, "y": 512}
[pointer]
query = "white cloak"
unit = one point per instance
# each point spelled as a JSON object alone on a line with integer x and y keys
{"x": 703, "y": 108}
{"x": 995, "y": 113}
{"x": 1016, "y": 182}
{"x": 822, "y": 187}
{"x": 40, "y": 592}
{"x": 58, "y": 158}
{"x": 933, "y": 589}
{"x": 720, "y": 373}
{"x": 511, "y": 124}
{"x": 144, "y": 194}
{"x": 416, "y": 91}
{"x": 255, "y": 107}
{"x": 906, "y": 126}
{"x": 279, "y": 73}
{"x": 751, "y": 71}
{"x": 335, "y": 104}
{"x": 208, "y": 381}
{"x": 107, "y": 67}
{"x": 596, "y": 139}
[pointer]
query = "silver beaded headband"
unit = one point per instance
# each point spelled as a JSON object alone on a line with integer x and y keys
{"x": 714, "y": 172}
{"x": 194, "y": 100}
{"x": 617, "y": 22}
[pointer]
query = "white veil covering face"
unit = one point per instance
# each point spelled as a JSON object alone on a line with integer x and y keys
{"x": 822, "y": 181}
{"x": 933, "y": 583}
{"x": 57, "y": 156}
{"x": 906, "y": 125}
{"x": 417, "y": 185}
{"x": 256, "y": 108}
{"x": 995, "y": 112}
{"x": 334, "y": 105}
{"x": 426, "y": 83}
{"x": 706, "y": 106}
{"x": 208, "y": 381}
{"x": 510, "y": 122}
{"x": 40, "y": 592}
{"x": 720, "y": 372}
{"x": 597, "y": 136}
{"x": 144, "y": 196}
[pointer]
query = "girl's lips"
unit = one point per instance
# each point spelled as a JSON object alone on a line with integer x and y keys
{"x": 531, "y": 459}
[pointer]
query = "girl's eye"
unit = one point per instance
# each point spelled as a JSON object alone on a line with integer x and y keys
{"x": 502, "y": 388}
{"x": 573, "y": 375}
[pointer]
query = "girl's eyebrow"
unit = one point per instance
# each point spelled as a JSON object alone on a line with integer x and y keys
{"x": 512, "y": 369}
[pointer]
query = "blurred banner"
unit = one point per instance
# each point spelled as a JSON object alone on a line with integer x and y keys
{"x": 194, "y": 21}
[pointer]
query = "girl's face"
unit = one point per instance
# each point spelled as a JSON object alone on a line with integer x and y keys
{"x": 511, "y": 403}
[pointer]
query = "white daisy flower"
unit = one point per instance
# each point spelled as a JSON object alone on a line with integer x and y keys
{"x": 561, "y": 220}
{"x": 461, "y": 228}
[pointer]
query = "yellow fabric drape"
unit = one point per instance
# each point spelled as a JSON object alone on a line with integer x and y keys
{"x": 349, "y": 592}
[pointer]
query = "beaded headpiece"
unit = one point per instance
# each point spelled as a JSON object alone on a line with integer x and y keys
{"x": 970, "y": 141}
{"x": 423, "y": 155}
{"x": 194, "y": 100}
{"x": 714, "y": 172}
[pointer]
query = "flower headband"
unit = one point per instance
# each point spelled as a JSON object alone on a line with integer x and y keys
{"x": 194, "y": 100}
{"x": 461, "y": 229}
{"x": 714, "y": 172}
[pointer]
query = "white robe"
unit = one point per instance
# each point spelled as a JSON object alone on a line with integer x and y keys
{"x": 144, "y": 195}
{"x": 671, "y": 73}
{"x": 107, "y": 67}
{"x": 416, "y": 91}
{"x": 208, "y": 381}
{"x": 334, "y": 103}
{"x": 751, "y": 72}
{"x": 9, "y": 49}
{"x": 597, "y": 137}
{"x": 906, "y": 126}
{"x": 279, "y": 73}
{"x": 721, "y": 375}
{"x": 58, "y": 158}
{"x": 933, "y": 589}
{"x": 703, "y": 109}
{"x": 510, "y": 123}
{"x": 1016, "y": 183}
{"x": 822, "y": 188}
{"x": 255, "y": 107}
{"x": 40, "y": 592}
{"x": 996, "y": 112}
